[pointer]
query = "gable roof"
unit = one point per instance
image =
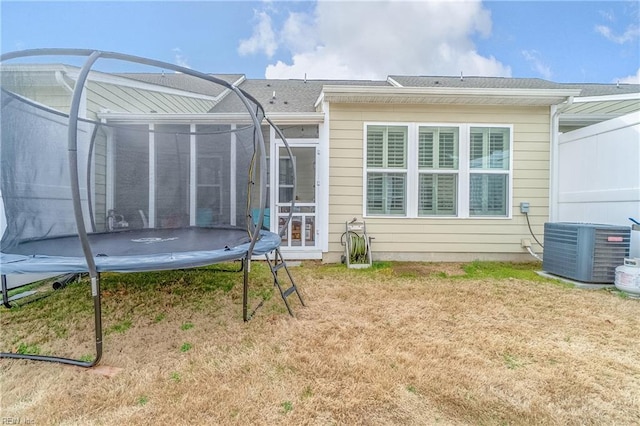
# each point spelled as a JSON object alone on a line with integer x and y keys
{"x": 286, "y": 96}
{"x": 185, "y": 82}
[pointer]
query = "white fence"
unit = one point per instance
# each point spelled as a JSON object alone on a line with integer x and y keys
{"x": 599, "y": 172}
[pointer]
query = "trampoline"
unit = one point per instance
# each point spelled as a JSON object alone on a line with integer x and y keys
{"x": 184, "y": 195}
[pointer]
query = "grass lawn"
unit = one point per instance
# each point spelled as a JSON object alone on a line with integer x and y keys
{"x": 396, "y": 344}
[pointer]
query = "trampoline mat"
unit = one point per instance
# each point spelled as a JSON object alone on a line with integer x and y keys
{"x": 138, "y": 242}
{"x": 136, "y": 250}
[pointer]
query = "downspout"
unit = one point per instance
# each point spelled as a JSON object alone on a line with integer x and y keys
{"x": 555, "y": 166}
{"x": 60, "y": 80}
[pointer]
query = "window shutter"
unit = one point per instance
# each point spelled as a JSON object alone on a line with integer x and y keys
{"x": 475, "y": 194}
{"x": 396, "y": 193}
{"x": 375, "y": 147}
{"x": 437, "y": 194}
{"x": 446, "y": 194}
{"x": 375, "y": 190}
{"x": 426, "y": 195}
{"x": 396, "y": 148}
{"x": 425, "y": 150}
{"x": 447, "y": 151}
{"x": 476, "y": 150}
{"x": 496, "y": 194}
{"x": 496, "y": 149}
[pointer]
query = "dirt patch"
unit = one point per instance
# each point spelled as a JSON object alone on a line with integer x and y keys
{"x": 428, "y": 269}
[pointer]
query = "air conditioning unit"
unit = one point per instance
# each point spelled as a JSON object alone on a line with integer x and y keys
{"x": 586, "y": 252}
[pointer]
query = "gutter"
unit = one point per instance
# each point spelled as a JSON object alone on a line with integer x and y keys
{"x": 208, "y": 118}
{"x": 444, "y": 95}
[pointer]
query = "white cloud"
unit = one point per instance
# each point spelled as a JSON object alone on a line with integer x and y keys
{"x": 179, "y": 58}
{"x": 631, "y": 79}
{"x": 607, "y": 15}
{"x": 533, "y": 57}
{"x": 631, "y": 33}
{"x": 370, "y": 40}
{"x": 263, "y": 38}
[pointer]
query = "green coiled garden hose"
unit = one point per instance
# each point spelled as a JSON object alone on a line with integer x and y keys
{"x": 357, "y": 246}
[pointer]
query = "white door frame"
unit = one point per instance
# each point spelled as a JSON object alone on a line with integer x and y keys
{"x": 303, "y": 251}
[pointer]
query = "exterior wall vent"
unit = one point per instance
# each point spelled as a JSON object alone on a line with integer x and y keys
{"x": 586, "y": 252}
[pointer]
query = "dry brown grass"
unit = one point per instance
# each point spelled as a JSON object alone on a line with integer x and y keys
{"x": 409, "y": 344}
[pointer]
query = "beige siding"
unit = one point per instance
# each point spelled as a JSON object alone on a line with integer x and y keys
{"x": 436, "y": 239}
{"x": 100, "y": 184}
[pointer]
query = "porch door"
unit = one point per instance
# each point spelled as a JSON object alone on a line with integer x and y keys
{"x": 301, "y": 230}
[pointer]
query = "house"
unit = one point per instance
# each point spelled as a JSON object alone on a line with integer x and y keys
{"x": 440, "y": 168}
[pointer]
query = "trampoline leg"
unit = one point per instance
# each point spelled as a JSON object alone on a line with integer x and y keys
{"x": 5, "y": 292}
{"x": 245, "y": 290}
{"x": 95, "y": 292}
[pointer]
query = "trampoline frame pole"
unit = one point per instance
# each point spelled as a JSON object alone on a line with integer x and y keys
{"x": 82, "y": 231}
{"x": 95, "y": 284}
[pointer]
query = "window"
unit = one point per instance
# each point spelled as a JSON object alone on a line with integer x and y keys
{"x": 438, "y": 171}
{"x": 423, "y": 170}
{"x": 386, "y": 170}
{"x": 489, "y": 170}
{"x": 285, "y": 179}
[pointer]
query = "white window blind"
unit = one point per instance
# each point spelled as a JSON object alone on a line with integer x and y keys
{"x": 415, "y": 170}
{"x": 437, "y": 151}
{"x": 386, "y": 170}
{"x": 489, "y": 164}
{"x": 437, "y": 194}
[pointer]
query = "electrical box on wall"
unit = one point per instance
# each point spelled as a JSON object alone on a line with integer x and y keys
{"x": 524, "y": 207}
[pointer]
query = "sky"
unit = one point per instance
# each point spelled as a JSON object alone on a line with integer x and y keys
{"x": 561, "y": 41}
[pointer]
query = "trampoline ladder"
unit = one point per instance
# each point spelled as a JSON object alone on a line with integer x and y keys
{"x": 275, "y": 265}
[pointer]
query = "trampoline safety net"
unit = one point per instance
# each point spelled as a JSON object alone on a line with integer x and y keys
{"x": 151, "y": 172}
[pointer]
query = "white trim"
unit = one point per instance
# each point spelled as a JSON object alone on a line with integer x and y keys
{"x": 322, "y": 211}
{"x": 299, "y": 141}
{"x": 320, "y": 101}
{"x": 393, "y": 82}
{"x": 232, "y": 177}
{"x": 110, "y": 172}
{"x": 411, "y": 195}
{"x": 607, "y": 98}
{"x": 289, "y": 253}
{"x": 495, "y": 171}
{"x": 174, "y": 118}
{"x": 273, "y": 220}
{"x": 209, "y": 118}
{"x": 447, "y": 95}
{"x": 303, "y": 248}
{"x": 152, "y": 177}
{"x": 554, "y": 152}
{"x": 286, "y": 118}
{"x": 553, "y": 163}
{"x": 464, "y": 171}
{"x": 193, "y": 177}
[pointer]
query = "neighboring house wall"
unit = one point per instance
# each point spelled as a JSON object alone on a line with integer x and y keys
{"x": 116, "y": 98}
{"x": 41, "y": 87}
{"x": 439, "y": 239}
{"x": 599, "y": 172}
{"x": 100, "y": 178}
